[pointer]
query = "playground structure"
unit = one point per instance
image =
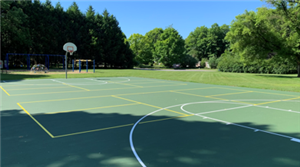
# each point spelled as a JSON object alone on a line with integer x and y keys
{"x": 80, "y": 62}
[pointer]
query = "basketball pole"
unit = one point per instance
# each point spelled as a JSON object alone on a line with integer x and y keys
{"x": 66, "y": 64}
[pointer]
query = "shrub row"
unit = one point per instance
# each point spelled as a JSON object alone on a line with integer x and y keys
{"x": 233, "y": 63}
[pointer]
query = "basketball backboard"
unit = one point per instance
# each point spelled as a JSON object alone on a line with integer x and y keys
{"x": 70, "y": 47}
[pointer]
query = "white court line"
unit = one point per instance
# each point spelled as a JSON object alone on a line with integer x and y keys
{"x": 205, "y": 117}
{"x": 243, "y": 126}
{"x": 125, "y": 78}
{"x": 223, "y": 110}
{"x": 103, "y": 82}
{"x": 279, "y": 109}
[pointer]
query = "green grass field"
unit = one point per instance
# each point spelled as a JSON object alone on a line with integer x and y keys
{"x": 262, "y": 81}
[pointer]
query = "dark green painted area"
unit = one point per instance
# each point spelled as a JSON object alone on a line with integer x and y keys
{"x": 91, "y": 119}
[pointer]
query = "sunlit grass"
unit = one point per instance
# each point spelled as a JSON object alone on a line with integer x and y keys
{"x": 262, "y": 81}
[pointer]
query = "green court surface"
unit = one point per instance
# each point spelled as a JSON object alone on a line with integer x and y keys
{"x": 131, "y": 122}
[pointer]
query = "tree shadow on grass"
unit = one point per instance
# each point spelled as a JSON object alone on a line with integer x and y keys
{"x": 278, "y": 76}
{"x": 175, "y": 142}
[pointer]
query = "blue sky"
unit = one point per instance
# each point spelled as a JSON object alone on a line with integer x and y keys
{"x": 140, "y": 16}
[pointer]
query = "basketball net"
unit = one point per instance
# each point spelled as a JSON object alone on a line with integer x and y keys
{"x": 70, "y": 49}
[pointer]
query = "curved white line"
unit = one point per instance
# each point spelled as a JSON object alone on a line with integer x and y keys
{"x": 182, "y": 105}
{"x": 133, "y": 127}
{"x": 125, "y": 78}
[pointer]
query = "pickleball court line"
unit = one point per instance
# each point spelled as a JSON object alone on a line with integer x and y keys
{"x": 205, "y": 117}
{"x": 70, "y": 85}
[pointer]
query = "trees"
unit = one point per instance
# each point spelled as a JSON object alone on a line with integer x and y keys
{"x": 263, "y": 35}
{"x": 150, "y": 39}
{"x": 290, "y": 12}
{"x": 141, "y": 47}
{"x": 14, "y": 30}
{"x": 39, "y": 28}
{"x": 196, "y": 43}
{"x": 169, "y": 49}
{"x": 206, "y": 42}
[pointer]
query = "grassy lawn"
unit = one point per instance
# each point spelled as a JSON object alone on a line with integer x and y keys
{"x": 263, "y": 81}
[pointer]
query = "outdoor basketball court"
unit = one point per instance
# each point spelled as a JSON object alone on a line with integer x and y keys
{"x": 131, "y": 122}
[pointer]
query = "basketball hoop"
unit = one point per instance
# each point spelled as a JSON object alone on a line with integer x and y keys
{"x": 71, "y": 48}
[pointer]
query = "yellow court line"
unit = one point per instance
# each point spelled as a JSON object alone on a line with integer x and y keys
{"x": 195, "y": 89}
{"x": 185, "y": 93}
{"x": 48, "y": 93}
{"x": 149, "y": 82}
{"x": 231, "y": 93}
{"x": 4, "y": 90}
{"x": 121, "y": 105}
{"x": 90, "y": 97}
{"x": 94, "y": 90}
{"x": 274, "y": 93}
{"x": 36, "y": 121}
{"x": 277, "y": 101}
{"x": 147, "y": 104}
{"x": 261, "y": 92}
{"x": 162, "y": 85}
{"x": 126, "y": 84}
{"x": 20, "y": 85}
{"x": 38, "y": 88}
{"x": 119, "y": 126}
{"x": 210, "y": 97}
{"x": 156, "y": 120}
{"x": 229, "y": 100}
{"x": 76, "y": 87}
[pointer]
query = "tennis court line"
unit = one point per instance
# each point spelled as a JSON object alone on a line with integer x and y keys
{"x": 261, "y": 92}
{"x": 119, "y": 126}
{"x": 94, "y": 90}
{"x": 230, "y": 100}
{"x": 227, "y": 109}
{"x": 147, "y": 104}
{"x": 76, "y": 98}
{"x": 38, "y": 88}
{"x": 277, "y": 101}
{"x": 254, "y": 129}
{"x": 36, "y": 121}
{"x": 209, "y": 97}
{"x": 70, "y": 85}
{"x": 76, "y": 87}
{"x": 231, "y": 93}
{"x": 4, "y": 90}
{"x": 126, "y": 84}
{"x": 121, "y": 105}
{"x": 298, "y": 112}
{"x": 21, "y": 85}
{"x": 247, "y": 127}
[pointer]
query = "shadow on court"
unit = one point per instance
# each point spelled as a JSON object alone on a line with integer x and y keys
{"x": 175, "y": 142}
{"x": 20, "y": 77}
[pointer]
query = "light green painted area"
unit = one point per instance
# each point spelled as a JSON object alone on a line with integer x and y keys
{"x": 94, "y": 117}
{"x": 269, "y": 119}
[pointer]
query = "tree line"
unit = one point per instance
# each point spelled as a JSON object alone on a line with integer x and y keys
{"x": 33, "y": 27}
{"x": 268, "y": 34}
{"x": 265, "y": 41}
{"x": 168, "y": 47}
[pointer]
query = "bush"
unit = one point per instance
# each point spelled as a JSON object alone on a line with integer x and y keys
{"x": 189, "y": 61}
{"x": 202, "y": 63}
{"x": 230, "y": 62}
{"x": 213, "y": 62}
